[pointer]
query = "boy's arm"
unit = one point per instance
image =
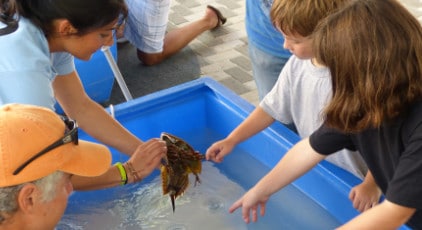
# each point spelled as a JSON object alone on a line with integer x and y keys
{"x": 255, "y": 122}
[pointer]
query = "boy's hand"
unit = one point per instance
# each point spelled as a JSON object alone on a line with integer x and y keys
{"x": 218, "y": 150}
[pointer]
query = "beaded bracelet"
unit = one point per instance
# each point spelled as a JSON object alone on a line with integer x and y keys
{"x": 133, "y": 172}
{"x": 123, "y": 173}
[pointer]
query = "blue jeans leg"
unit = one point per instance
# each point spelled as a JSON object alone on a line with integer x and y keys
{"x": 265, "y": 68}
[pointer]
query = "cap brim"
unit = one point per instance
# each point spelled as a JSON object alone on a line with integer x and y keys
{"x": 87, "y": 159}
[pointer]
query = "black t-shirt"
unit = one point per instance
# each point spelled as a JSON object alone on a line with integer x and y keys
{"x": 393, "y": 154}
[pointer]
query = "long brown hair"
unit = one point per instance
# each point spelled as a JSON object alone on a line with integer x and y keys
{"x": 373, "y": 49}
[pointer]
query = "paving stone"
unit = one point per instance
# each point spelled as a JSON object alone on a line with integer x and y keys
{"x": 181, "y": 10}
{"x": 243, "y": 62}
{"x": 229, "y": 45}
{"x": 239, "y": 74}
{"x": 176, "y": 18}
{"x": 230, "y": 4}
{"x": 234, "y": 85}
{"x": 243, "y": 49}
{"x": 223, "y": 56}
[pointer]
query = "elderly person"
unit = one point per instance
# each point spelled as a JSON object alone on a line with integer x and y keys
{"x": 39, "y": 153}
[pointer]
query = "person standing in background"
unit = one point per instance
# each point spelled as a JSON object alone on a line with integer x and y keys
{"x": 265, "y": 43}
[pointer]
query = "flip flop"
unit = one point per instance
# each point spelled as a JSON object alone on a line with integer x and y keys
{"x": 221, "y": 19}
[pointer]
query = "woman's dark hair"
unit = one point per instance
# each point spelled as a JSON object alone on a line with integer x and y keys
{"x": 84, "y": 15}
{"x": 373, "y": 49}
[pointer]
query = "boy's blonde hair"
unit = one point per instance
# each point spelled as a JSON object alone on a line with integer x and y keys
{"x": 301, "y": 16}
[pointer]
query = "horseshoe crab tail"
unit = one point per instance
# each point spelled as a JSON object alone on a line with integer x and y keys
{"x": 172, "y": 197}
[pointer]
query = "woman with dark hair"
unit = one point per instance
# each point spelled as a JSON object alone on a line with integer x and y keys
{"x": 373, "y": 50}
{"x": 39, "y": 40}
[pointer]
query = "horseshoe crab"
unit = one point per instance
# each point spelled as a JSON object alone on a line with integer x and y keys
{"x": 181, "y": 160}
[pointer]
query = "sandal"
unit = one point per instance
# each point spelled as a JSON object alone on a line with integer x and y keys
{"x": 221, "y": 19}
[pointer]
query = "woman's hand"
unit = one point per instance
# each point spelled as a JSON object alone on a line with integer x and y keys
{"x": 145, "y": 159}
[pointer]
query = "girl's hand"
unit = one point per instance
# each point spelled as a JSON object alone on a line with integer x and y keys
{"x": 250, "y": 203}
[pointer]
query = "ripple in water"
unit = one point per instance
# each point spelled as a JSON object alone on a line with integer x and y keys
{"x": 145, "y": 207}
{"x": 214, "y": 204}
{"x": 177, "y": 227}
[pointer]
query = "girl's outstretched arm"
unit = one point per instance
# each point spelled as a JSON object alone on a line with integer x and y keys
{"x": 386, "y": 215}
{"x": 297, "y": 161}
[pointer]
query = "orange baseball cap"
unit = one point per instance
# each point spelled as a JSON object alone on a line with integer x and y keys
{"x": 25, "y": 130}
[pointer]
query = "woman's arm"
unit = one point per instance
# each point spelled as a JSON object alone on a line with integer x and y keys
{"x": 141, "y": 165}
{"x": 92, "y": 117}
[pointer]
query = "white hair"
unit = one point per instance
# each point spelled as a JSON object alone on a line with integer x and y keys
{"x": 8, "y": 195}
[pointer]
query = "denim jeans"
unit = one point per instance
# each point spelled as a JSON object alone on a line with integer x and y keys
{"x": 265, "y": 68}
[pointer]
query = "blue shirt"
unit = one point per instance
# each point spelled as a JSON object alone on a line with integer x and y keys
{"x": 260, "y": 29}
{"x": 27, "y": 68}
